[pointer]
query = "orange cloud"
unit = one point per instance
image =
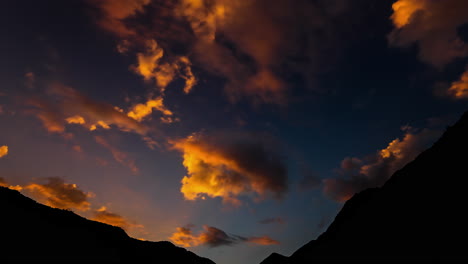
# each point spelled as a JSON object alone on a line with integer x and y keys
{"x": 149, "y": 66}
{"x": 255, "y": 33}
{"x": 66, "y": 105}
{"x": 3, "y": 151}
{"x": 75, "y": 120}
{"x": 214, "y": 237}
{"x": 3, "y": 183}
{"x": 459, "y": 89}
{"x": 359, "y": 174}
{"x": 141, "y": 111}
{"x": 104, "y": 216}
{"x": 433, "y": 26}
{"x": 97, "y": 114}
{"x": 119, "y": 156}
{"x": 49, "y": 115}
{"x": 230, "y": 167}
{"x": 56, "y": 193}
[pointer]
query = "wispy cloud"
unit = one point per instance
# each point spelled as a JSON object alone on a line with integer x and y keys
{"x": 433, "y": 26}
{"x": 214, "y": 237}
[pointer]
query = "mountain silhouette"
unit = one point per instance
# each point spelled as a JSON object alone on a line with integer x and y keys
{"x": 32, "y": 232}
{"x": 419, "y": 214}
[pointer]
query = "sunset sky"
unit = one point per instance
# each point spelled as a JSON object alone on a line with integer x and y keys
{"x": 233, "y": 128}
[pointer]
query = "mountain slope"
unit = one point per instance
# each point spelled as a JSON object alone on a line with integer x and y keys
{"x": 418, "y": 214}
{"x": 35, "y": 232}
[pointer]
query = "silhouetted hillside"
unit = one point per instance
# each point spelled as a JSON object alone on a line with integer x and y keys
{"x": 37, "y": 233}
{"x": 419, "y": 213}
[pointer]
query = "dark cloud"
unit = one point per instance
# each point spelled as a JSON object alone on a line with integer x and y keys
{"x": 103, "y": 215}
{"x": 214, "y": 237}
{"x": 254, "y": 45}
{"x": 231, "y": 165}
{"x": 57, "y": 193}
{"x": 359, "y": 174}
{"x": 433, "y": 26}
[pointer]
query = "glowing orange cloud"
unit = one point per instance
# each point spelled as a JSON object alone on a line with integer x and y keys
{"x": 3, "y": 183}
{"x": 119, "y": 156}
{"x": 214, "y": 237}
{"x": 104, "y": 216}
{"x": 141, "y": 111}
{"x": 3, "y": 151}
{"x": 75, "y": 120}
{"x": 459, "y": 89}
{"x": 404, "y": 10}
{"x": 56, "y": 193}
{"x": 149, "y": 66}
{"x": 227, "y": 170}
{"x": 50, "y": 116}
{"x": 92, "y": 114}
{"x": 433, "y": 26}
{"x": 359, "y": 174}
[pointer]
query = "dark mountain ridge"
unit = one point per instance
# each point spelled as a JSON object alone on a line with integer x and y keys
{"x": 32, "y": 232}
{"x": 417, "y": 215}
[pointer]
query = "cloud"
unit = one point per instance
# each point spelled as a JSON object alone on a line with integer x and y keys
{"x": 56, "y": 193}
{"x": 149, "y": 66}
{"x": 214, "y": 237}
{"x": 275, "y": 220}
{"x": 141, "y": 111}
{"x": 253, "y": 45}
{"x": 72, "y": 103}
{"x": 49, "y": 115}
{"x": 459, "y": 89}
{"x": 65, "y": 105}
{"x": 115, "y": 12}
{"x": 3, "y": 151}
{"x": 433, "y": 26}
{"x": 3, "y": 182}
{"x": 229, "y": 166}
{"x": 119, "y": 156}
{"x": 359, "y": 174}
{"x": 263, "y": 240}
{"x": 104, "y": 216}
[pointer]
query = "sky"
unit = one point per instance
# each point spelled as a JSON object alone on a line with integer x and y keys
{"x": 233, "y": 128}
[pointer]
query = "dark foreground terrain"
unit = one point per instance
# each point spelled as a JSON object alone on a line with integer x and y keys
{"x": 419, "y": 214}
{"x": 35, "y": 233}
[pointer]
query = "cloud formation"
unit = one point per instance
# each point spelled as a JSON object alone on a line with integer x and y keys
{"x": 150, "y": 66}
{"x": 119, "y": 156}
{"x": 359, "y": 174}
{"x": 459, "y": 89}
{"x": 3, "y": 151}
{"x": 433, "y": 26}
{"x": 56, "y": 193}
{"x": 229, "y": 166}
{"x": 115, "y": 12}
{"x": 214, "y": 237}
{"x": 103, "y": 215}
{"x": 65, "y": 105}
{"x": 250, "y": 43}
